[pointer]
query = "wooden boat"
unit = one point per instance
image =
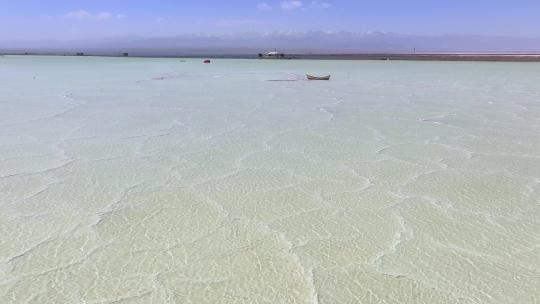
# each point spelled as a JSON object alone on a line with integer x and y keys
{"x": 310, "y": 77}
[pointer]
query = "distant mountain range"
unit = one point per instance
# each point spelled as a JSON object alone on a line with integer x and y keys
{"x": 315, "y": 42}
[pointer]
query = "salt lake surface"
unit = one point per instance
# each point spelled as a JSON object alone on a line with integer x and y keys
{"x": 126, "y": 180}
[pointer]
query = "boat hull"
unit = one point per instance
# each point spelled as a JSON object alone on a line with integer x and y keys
{"x": 310, "y": 77}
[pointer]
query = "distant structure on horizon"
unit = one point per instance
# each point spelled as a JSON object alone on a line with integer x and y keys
{"x": 273, "y": 55}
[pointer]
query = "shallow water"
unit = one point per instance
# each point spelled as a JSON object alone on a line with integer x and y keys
{"x": 126, "y": 180}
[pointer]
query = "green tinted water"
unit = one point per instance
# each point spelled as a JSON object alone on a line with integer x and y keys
{"x": 129, "y": 180}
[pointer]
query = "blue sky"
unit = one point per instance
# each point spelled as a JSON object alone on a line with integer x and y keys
{"x": 78, "y": 19}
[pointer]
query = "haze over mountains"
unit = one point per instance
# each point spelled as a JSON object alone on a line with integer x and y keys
{"x": 296, "y": 42}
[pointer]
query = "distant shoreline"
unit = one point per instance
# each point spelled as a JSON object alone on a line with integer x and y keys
{"x": 431, "y": 57}
{"x": 497, "y": 57}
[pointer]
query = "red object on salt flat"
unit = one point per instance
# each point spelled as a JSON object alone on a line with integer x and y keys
{"x": 207, "y": 61}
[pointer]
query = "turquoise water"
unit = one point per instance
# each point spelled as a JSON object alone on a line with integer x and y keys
{"x": 128, "y": 180}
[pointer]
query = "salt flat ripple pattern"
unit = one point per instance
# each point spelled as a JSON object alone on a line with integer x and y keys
{"x": 127, "y": 180}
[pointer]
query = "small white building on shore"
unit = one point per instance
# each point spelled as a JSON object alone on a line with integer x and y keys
{"x": 272, "y": 55}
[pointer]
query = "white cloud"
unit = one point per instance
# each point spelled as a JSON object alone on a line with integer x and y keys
{"x": 82, "y": 14}
{"x": 264, "y": 6}
{"x": 104, "y": 15}
{"x": 291, "y": 5}
{"x": 320, "y": 4}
